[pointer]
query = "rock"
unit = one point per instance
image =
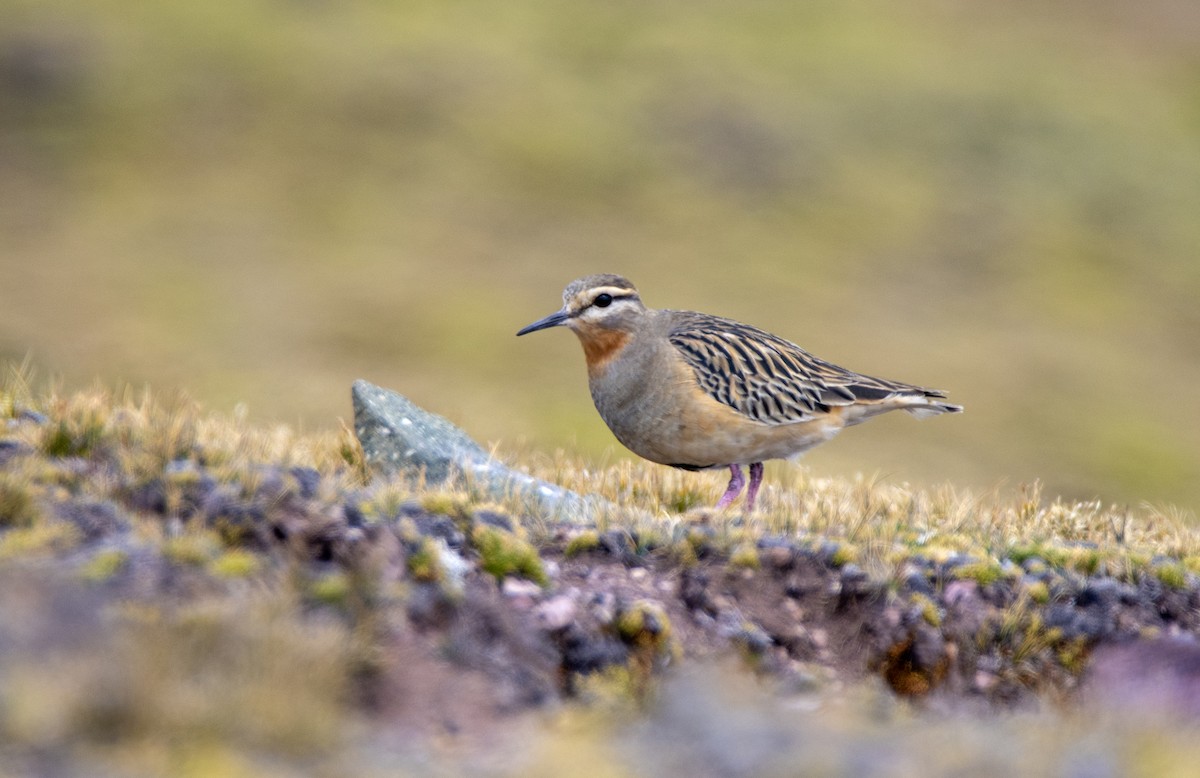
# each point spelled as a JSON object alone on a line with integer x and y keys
{"x": 12, "y": 448}
{"x": 494, "y": 519}
{"x": 400, "y": 438}
{"x": 94, "y": 520}
{"x": 752, "y": 638}
{"x": 430, "y": 605}
{"x": 555, "y": 614}
{"x": 586, "y": 652}
{"x": 693, "y": 590}
{"x": 32, "y": 416}
{"x": 1104, "y": 592}
{"x": 778, "y": 557}
{"x": 519, "y": 588}
{"x": 307, "y": 479}
{"x": 454, "y": 566}
{"x": 852, "y": 584}
{"x": 440, "y": 527}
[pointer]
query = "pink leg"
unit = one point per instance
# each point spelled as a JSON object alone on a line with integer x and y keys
{"x": 736, "y": 482}
{"x": 756, "y": 472}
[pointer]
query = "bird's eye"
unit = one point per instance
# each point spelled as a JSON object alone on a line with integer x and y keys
{"x": 603, "y": 300}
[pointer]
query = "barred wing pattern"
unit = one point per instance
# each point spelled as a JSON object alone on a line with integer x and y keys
{"x": 769, "y": 379}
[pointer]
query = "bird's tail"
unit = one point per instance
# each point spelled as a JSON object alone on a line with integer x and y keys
{"x": 928, "y": 403}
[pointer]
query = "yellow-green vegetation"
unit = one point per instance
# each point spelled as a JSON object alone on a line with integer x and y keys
{"x": 644, "y": 626}
{"x": 235, "y": 563}
{"x": 1022, "y": 637}
{"x": 423, "y": 563}
{"x": 1038, "y": 591}
{"x": 582, "y": 542}
{"x": 18, "y": 508}
{"x": 1172, "y": 574}
{"x": 503, "y": 553}
{"x": 185, "y": 477}
{"x": 844, "y": 555}
{"x": 617, "y": 688}
{"x": 928, "y": 608}
{"x": 104, "y": 565}
{"x": 156, "y": 446}
{"x": 331, "y": 589}
{"x": 45, "y": 538}
{"x": 195, "y": 548}
{"x": 744, "y": 557}
{"x": 983, "y": 573}
{"x": 455, "y": 505}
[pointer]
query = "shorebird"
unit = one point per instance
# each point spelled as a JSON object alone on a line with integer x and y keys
{"x": 698, "y": 392}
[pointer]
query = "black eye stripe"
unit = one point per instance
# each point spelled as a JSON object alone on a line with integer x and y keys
{"x": 605, "y": 299}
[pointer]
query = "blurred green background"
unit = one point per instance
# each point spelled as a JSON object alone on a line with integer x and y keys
{"x": 261, "y": 201}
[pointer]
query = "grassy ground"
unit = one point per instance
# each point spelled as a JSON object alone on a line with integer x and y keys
{"x": 225, "y": 198}
{"x": 191, "y": 593}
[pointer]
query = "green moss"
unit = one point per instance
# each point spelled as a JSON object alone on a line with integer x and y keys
{"x": 1038, "y": 591}
{"x": 1073, "y": 655}
{"x": 684, "y": 554}
{"x": 425, "y": 563}
{"x": 844, "y": 555}
{"x": 644, "y": 624}
{"x": 235, "y": 563}
{"x": 1085, "y": 560}
{"x": 193, "y": 549}
{"x": 331, "y": 589}
{"x": 582, "y": 543}
{"x": 615, "y": 686}
{"x": 104, "y": 565}
{"x": 1052, "y": 556}
{"x": 1172, "y": 574}
{"x": 454, "y": 505}
{"x": 983, "y": 573}
{"x": 928, "y": 608}
{"x": 502, "y": 554}
{"x": 744, "y": 557}
{"x": 645, "y": 628}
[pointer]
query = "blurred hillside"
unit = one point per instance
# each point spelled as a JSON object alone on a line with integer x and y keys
{"x": 262, "y": 201}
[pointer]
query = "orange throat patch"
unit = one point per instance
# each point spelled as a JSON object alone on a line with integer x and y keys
{"x": 601, "y": 346}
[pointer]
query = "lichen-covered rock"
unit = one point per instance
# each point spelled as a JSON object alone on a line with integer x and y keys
{"x": 399, "y": 438}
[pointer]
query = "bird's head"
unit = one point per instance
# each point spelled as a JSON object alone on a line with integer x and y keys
{"x": 595, "y": 306}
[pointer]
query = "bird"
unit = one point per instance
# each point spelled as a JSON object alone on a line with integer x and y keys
{"x": 698, "y": 392}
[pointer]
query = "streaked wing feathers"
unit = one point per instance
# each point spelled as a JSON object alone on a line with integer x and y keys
{"x": 768, "y": 378}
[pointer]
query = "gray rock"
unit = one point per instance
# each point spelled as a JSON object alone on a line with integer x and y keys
{"x": 399, "y": 438}
{"x": 555, "y": 614}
